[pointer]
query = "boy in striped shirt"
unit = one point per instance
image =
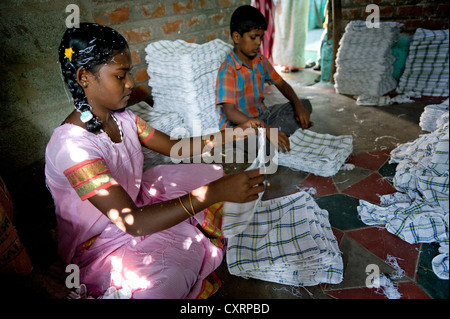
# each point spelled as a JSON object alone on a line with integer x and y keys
{"x": 241, "y": 79}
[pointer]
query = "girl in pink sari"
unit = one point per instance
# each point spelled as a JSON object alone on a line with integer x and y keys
{"x": 155, "y": 234}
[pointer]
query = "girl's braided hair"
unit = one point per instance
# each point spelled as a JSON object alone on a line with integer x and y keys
{"x": 90, "y": 45}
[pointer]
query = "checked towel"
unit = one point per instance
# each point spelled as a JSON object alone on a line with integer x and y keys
{"x": 287, "y": 240}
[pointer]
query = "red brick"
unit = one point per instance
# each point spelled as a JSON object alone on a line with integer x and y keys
{"x": 193, "y": 21}
{"x": 410, "y": 11}
{"x": 171, "y": 27}
{"x": 159, "y": 11}
{"x": 180, "y": 8}
{"x": 387, "y": 12}
{"x": 141, "y": 75}
{"x": 217, "y": 18}
{"x": 134, "y": 36}
{"x": 119, "y": 15}
{"x": 135, "y": 57}
{"x": 225, "y": 3}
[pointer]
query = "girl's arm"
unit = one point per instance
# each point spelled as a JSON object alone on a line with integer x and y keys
{"x": 162, "y": 143}
{"x": 117, "y": 205}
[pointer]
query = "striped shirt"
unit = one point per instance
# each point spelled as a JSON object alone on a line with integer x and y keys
{"x": 243, "y": 86}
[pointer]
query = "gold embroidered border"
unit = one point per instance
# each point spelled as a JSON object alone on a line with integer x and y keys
{"x": 144, "y": 130}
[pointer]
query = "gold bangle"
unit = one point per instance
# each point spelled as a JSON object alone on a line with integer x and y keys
{"x": 192, "y": 206}
{"x": 186, "y": 210}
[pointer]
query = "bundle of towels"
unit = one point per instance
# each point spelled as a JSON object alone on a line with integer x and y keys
{"x": 183, "y": 81}
{"x": 364, "y": 61}
{"x": 427, "y": 66}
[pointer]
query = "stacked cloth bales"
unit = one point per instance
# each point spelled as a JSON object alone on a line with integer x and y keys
{"x": 364, "y": 61}
{"x": 419, "y": 211}
{"x": 286, "y": 240}
{"x": 183, "y": 81}
{"x": 427, "y": 66}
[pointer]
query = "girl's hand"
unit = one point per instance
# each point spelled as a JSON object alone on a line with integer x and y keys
{"x": 238, "y": 187}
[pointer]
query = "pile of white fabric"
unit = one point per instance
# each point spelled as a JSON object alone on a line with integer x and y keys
{"x": 286, "y": 240}
{"x": 430, "y": 118}
{"x": 427, "y": 65}
{"x": 419, "y": 211}
{"x": 320, "y": 154}
{"x": 183, "y": 81}
{"x": 364, "y": 61}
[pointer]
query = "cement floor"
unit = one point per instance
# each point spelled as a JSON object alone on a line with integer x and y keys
{"x": 376, "y": 131}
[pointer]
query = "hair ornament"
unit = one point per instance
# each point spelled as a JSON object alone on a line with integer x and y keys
{"x": 86, "y": 116}
{"x": 68, "y": 53}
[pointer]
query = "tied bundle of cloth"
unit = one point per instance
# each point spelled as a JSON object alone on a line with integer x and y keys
{"x": 364, "y": 61}
{"x": 427, "y": 66}
{"x": 287, "y": 240}
{"x": 434, "y": 116}
{"x": 183, "y": 81}
{"x": 419, "y": 211}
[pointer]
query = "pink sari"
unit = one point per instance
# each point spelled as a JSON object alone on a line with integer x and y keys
{"x": 173, "y": 263}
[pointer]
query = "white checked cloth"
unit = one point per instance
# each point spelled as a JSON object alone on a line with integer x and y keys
{"x": 427, "y": 65}
{"x": 429, "y": 120}
{"x": 287, "y": 240}
{"x": 320, "y": 154}
{"x": 419, "y": 212}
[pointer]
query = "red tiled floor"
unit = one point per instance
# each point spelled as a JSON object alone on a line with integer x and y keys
{"x": 370, "y": 188}
{"x": 381, "y": 243}
{"x": 323, "y": 185}
{"x": 370, "y": 160}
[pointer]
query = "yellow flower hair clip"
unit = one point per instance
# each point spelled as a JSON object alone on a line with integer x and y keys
{"x": 68, "y": 53}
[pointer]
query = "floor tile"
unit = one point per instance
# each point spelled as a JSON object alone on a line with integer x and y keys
{"x": 356, "y": 260}
{"x": 426, "y": 278}
{"x": 370, "y": 160}
{"x": 323, "y": 185}
{"x": 344, "y": 179}
{"x": 342, "y": 211}
{"x": 388, "y": 170}
{"x": 370, "y": 188}
{"x": 407, "y": 290}
{"x": 382, "y": 244}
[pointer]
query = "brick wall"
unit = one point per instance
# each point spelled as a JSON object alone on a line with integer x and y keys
{"x": 431, "y": 14}
{"x": 142, "y": 22}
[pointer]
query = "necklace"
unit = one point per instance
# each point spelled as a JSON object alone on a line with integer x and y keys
{"x": 118, "y": 126}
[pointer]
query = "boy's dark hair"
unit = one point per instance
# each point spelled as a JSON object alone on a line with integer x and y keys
{"x": 88, "y": 46}
{"x": 247, "y": 18}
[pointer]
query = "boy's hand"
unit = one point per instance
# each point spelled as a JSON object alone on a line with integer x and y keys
{"x": 302, "y": 116}
{"x": 280, "y": 139}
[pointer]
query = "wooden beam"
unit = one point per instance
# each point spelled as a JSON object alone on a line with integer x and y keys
{"x": 336, "y": 10}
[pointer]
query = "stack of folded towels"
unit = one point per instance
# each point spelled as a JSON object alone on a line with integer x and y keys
{"x": 287, "y": 240}
{"x": 427, "y": 66}
{"x": 320, "y": 154}
{"x": 364, "y": 61}
{"x": 183, "y": 81}
{"x": 430, "y": 116}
